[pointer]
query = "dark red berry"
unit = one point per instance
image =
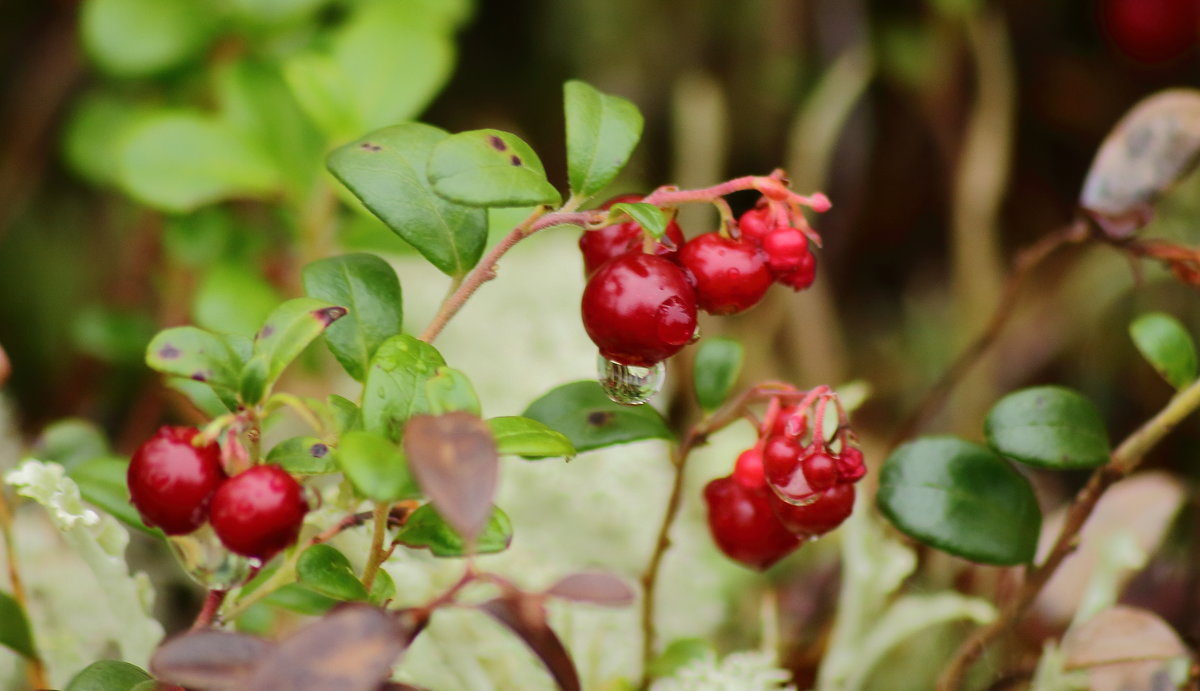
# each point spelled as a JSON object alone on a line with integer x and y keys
{"x": 743, "y": 525}
{"x": 802, "y": 277}
{"x": 850, "y": 465}
{"x": 781, "y": 464}
{"x": 789, "y": 422}
{"x": 786, "y": 249}
{"x": 639, "y": 309}
{"x": 729, "y": 276}
{"x": 819, "y": 517}
{"x": 171, "y": 482}
{"x": 748, "y": 470}
{"x": 820, "y": 470}
{"x": 598, "y": 246}
{"x": 756, "y": 224}
{"x": 259, "y": 512}
{"x": 1152, "y": 30}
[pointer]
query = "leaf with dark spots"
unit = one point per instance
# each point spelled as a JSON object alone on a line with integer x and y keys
{"x": 368, "y": 285}
{"x": 304, "y": 456}
{"x": 497, "y": 143}
{"x": 525, "y": 615}
{"x": 329, "y": 315}
{"x": 209, "y": 659}
{"x": 468, "y": 168}
{"x": 196, "y": 354}
{"x": 287, "y": 332}
{"x": 515, "y": 160}
{"x": 453, "y": 458}
{"x": 350, "y": 649}
{"x": 594, "y": 587}
{"x": 585, "y": 415}
{"x": 168, "y": 352}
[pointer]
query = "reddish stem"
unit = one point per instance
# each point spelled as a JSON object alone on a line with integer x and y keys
{"x": 212, "y": 603}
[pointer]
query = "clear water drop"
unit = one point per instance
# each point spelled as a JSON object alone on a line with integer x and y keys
{"x": 205, "y": 560}
{"x": 629, "y": 385}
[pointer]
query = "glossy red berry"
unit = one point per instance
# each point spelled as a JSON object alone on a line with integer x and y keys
{"x": 789, "y": 422}
{"x": 786, "y": 249}
{"x": 743, "y": 525}
{"x": 639, "y": 309}
{"x": 850, "y": 465}
{"x": 819, "y": 517}
{"x": 171, "y": 482}
{"x": 756, "y": 224}
{"x": 748, "y": 470}
{"x": 781, "y": 461}
{"x": 801, "y": 277}
{"x": 598, "y": 246}
{"x": 259, "y": 512}
{"x": 729, "y": 276}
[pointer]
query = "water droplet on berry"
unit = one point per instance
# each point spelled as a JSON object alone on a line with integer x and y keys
{"x": 205, "y": 560}
{"x": 629, "y": 385}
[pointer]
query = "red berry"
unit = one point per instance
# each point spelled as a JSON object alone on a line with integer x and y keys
{"x": 820, "y": 470}
{"x": 850, "y": 465}
{"x": 789, "y": 422}
{"x": 819, "y": 517}
{"x": 756, "y": 224}
{"x": 802, "y": 277}
{"x": 729, "y": 276}
{"x": 598, "y": 246}
{"x": 786, "y": 249}
{"x": 1152, "y": 30}
{"x": 749, "y": 469}
{"x": 171, "y": 481}
{"x": 781, "y": 464}
{"x": 259, "y": 512}
{"x": 639, "y": 309}
{"x": 743, "y": 525}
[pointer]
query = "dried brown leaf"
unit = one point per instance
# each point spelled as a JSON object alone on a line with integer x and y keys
{"x": 209, "y": 659}
{"x": 1123, "y": 648}
{"x": 525, "y": 615}
{"x": 454, "y": 459}
{"x": 594, "y": 587}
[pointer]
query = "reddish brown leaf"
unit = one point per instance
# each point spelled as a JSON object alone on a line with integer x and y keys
{"x": 209, "y": 659}
{"x": 1124, "y": 648}
{"x": 453, "y": 457}
{"x": 526, "y": 616}
{"x": 594, "y": 587}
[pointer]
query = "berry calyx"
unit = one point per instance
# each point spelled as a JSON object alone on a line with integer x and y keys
{"x": 729, "y": 276}
{"x": 828, "y": 511}
{"x": 744, "y": 526}
{"x": 599, "y": 246}
{"x": 639, "y": 309}
{"x": 259, "y": 512}
{"x": 171, "y": 481}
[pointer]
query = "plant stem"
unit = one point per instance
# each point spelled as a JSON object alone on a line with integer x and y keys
{"x": 212, "y": 603}
{"x": 377, "y": 554}
{"x": 1124, "y": 460}
{"x": 35, "y": 668}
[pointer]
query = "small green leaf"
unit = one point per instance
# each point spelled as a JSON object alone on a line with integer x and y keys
{"x": 93, "y": 133}
{"x": 301, "y": 600}
{"x": 285, "y": 334}
{"x": 14, "y": 627}
{"x": 426, "y": 528}
{"x": 648, "y": 216}
{"x": 376, "y": 467}
{"x": 448, "y": 390}
{"x": 304, "y": 456}
{"x": 71, "y": 441}
{"x": 1167, "y": 346}
{"x": 323, "y": 569}
{"x": 383, "y": 589}
{"x": 387, "y": 171}
{"x": 369, "y": 288}
{"x": 523, "y": 436}
{"x": 960, "y": 498}
{"x": 196, "y": 354}
{"x": 108, "y": 675}
{"x": 346, "y": 415}
{"x": 715, "y": 370}
{"x": 395, "y": 387}
{"x": 602, "y": 131}
{"x": 1049, "y": 427}
{"x": 137, "y": 38}
{"x": 489, "y": 168}
{"x": 587, "y": 417}
{"x": 102, "y": 483}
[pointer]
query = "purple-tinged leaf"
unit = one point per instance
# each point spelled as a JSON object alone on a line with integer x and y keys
{"x": 525, "y": 615}
{"x": 454, "y": 459}
{"x": 593, "y": 587}
{"x": 209, "y": 659}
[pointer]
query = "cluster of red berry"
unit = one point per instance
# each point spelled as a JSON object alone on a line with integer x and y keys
{"x": 640, "y": 303}
{"x": 791, "y": 487}
{"x": 177, "y": 485}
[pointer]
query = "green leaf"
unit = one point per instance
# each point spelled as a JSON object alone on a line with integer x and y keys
{"x": 285, "y": 334}
{"x": 102, "y": 483}
{"x": 369, "y": 288}
{"x": 960, "y": 498}
{"x": 529, "y": 438}
{"x": 108, "y": 675}
{"x": 233, "y": 298}
{"x": 346, "y": 415}
{"x": 715, "y": 370}
{"x": 648, "y": 216}
{"x": 196, "y": 354}
{"x": 376, "y": 467}
{"x": 268, "y": 12}
{"x": 178, "y": 161}
{"x": 489, "y": 168}
{"x": 93, "y": 133}
{"x": 602, "y": 131}
{"x": 304, "y": 456}
{"x": 383, "y": 588}
{"x": 301, "y": 600}
{"x": 679, "y": 654}
{"x": 426, "y": 528}
{"x": 585, "y": 415}
{"x": 1049, "y": 427}
{"x": 448, "y": 390}
{"x": 395, "y": 386}
{"x": 323, "y": 569}
{"x": 387, "y": 171}
{"x": 137, "y": 38}
{"x": 71, "y": 441}
{"x": 1167, "y": 346}
{"x": 14, "y": 627}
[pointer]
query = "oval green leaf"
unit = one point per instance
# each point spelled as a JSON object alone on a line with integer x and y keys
{"x": 304, "y": 456}
{"x": 715, "y": 370}
{"x": 71, "y": 441}
{"x": 108, "y": 675}
{"x": 296, "y": 598}
{"x": 602, "y": 131}
{"x": 383, "y": 589}
{"x": 426, "y": 528}
{"x": 648, "y": 216}
{"x": 589, "y": 420}
{"x": 526, "y": 437}
{"x": 449, "y": 390}
{"x": 386, "y": 170}
{"x": 395, "y": 387}
{"x": 370, "y": 290}
{"x": 325, "y": 570}
{"x": 285, "y": 334}
{"x": 196, "y": 354}
{"x": 137, "y": 38}
{"x": 960, "y": 498}
{"x": 1167, "y": 346}
{"x": 376, "y": 467}
{"x": 489, "y": 168}
{"x": 1048, "y": 427}
{"x": 14, "y": 627}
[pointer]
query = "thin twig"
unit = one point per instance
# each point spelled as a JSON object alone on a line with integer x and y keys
{"x": 378, "y": 553}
